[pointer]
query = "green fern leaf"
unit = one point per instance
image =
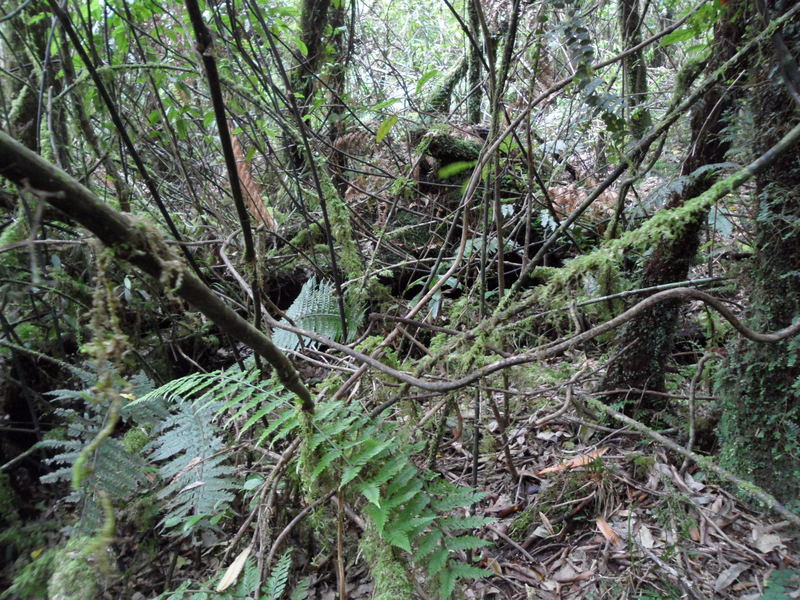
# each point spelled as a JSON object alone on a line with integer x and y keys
{"x": 315, "y": 309}
{"x": 328, "y": 458}
{"x": 427, "y": 544}
{"x": 398, "y": 538}
{"x": 301, "y": 590}
{"x": 447, "y": 583}
{"x": 371, "y": 492}
{"x": 437, "y": 561}
{"x": 390, "y": 468}
{"x": 378, "y": 515}
{"x": 276, "y": 583}
{"x": 405, "y": 494}
{"x": 464, "y": 571}
{"x": 401, "y": 479}
{"x": 472, "y": 522}
{"x": 191, "y": 455}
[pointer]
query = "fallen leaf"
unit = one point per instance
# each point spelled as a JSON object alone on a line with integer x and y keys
{"x": 646, "y": 537}
{"x": 608, "y": 533}
{"x": 232, "y": 574}
{"x": 578, "y": 461}
{"x": 547, "y": 524}
{"x": 729, "y": 575}
{"x": 493, "y": 565}
{"x": 766, "y": 542}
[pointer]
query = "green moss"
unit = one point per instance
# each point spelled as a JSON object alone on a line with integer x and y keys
{"x": 760, "y": 424}
{"x": 134, "y": 440}
{"x": 79, "y": 571}
{"x": 388, "y": 571}
{"x": 30, "y": 583}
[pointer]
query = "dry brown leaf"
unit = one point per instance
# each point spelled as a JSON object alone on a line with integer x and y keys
{"x": 547, "y": 524}
{"x": 608, "y": 533}
{"x": 729, "y": 575}
{"x": 694, "y": 533}
{"x": 646, "y": 537}
{"x": 578, "y": 461}
{"x": 765, "y": 541}
{"x": 493, "y": 565}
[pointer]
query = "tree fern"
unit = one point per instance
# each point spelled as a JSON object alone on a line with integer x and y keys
{"x": 190, "y": 452}
{"x": 316, "y": 309}
{"x": 113, "y": 469}
{"x": 411, "y": 509}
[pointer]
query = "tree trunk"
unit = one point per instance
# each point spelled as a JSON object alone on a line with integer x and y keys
{"x": 314, "y": 18}
{"x": 634, "y": 70}
{"x": 645, "y": 344}
{"x": 760, "y": 385}
{"x": 474, "y": 98}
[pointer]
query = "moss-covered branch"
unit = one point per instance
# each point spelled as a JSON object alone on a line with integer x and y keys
{"x": 142, "y": 246}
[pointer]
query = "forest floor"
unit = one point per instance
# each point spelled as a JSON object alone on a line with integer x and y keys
{"x": 599, "y": 512}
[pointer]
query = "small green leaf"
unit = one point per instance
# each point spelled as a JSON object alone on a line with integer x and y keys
{"x": 426, "y": 77}
{"x": 399, "y": 539}
{"x": 473, "y": 522}
{"x": 385, "y": 104}
{"x": 427, "y": 544}
{"x": 437, "y": 561}
{"x": 455, "y": 168}
{"x": 385, "y": 128}
{"x": 302, "y": 47}
{"x": 371, "y": 492}
{"x": 680, "y": 35}
{"x": 378, "y": 516}
{"x": 447, "y": 583}
{"x": 252, "y": 483}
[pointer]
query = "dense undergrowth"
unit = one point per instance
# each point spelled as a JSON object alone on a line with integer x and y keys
{"x": 444, "y": 257}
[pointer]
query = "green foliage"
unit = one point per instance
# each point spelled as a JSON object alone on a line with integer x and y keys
{"x": 246, "y": 587}
{"x": 31, "y": 581}
{"x": 344, "y": 447}
{"x": 699, "y": 26}
{"x": 316, "y": 309}
{"x": 188, "y": 443}
{"x": 408, "y": 507}
{"x": 114, "y": 470}
{"x": 276, "y": 583}
{"x": 191, "y": 455}
{"x": 782, "y": 585}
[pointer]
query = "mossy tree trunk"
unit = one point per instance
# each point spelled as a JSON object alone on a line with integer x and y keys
{"x": 634, "y": 70}
{"x": 474, "y": 99}
{"x": 22, "y": 55}
{"x": 645, "y": 344}
{"x": 314, "y": 19}
{"x": 760, "y": 386}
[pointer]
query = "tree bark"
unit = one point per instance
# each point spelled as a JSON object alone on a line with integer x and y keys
{"x": 760, "y": 384}
{"x": 645, "y": 344}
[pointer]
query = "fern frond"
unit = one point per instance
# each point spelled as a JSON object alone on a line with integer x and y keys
{"x": 276, "y": 583}
{"x": 112, "y": 469}
{"x": 300, "y": 592}
{"x": 317, "y": 309}
{"x": 191, "y": 453}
